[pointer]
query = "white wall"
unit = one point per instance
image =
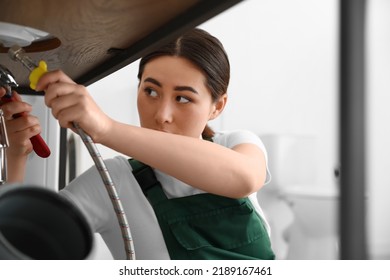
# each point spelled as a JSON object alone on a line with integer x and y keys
{"x": 378, "y": 131}
{"x": 284, "y": 70}
{"x": 283, "y": 56}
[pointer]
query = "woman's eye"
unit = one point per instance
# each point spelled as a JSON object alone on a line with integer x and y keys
{"x": 182, "y": 99}
{"x": 151, "y": 92}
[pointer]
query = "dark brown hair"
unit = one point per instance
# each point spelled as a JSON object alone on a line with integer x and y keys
{"x": 207, "y": 53}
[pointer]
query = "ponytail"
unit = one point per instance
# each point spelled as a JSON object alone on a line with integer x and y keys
{"x": 208, "y": 133}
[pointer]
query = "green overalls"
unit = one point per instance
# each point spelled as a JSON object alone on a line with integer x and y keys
{"x": 205, "y": 226}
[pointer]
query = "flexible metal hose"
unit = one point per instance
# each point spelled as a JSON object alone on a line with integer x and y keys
{"x": 108, "y": 183}
{"x": 18, "y": 54}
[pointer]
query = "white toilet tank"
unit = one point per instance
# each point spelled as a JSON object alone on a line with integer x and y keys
{"x": 292, "y": 159}
{"x": 293, "y": 165}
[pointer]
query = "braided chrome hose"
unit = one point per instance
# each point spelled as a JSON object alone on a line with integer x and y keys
{"x": 108, "y": 183}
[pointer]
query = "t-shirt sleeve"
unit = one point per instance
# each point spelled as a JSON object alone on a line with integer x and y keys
{"x": 233, "y": 138}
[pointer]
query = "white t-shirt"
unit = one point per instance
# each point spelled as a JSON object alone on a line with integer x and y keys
{"x": 89, "y": 193}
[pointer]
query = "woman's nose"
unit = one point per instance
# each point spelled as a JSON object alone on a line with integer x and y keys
{"x": 164, "y": 113}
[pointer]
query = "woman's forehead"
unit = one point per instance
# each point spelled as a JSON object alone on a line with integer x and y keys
{"x": 173, "y": 69}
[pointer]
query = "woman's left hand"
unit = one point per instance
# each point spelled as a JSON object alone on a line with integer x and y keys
{"x": 71, "y": 102}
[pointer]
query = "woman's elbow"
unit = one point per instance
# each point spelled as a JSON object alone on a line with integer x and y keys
{"x": 250, "y": 185}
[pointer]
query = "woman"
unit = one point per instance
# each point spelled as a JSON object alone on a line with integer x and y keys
{"x": 182, "y": 86}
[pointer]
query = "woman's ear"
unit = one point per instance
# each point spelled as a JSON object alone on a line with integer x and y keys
{"x": 218, "y": 106}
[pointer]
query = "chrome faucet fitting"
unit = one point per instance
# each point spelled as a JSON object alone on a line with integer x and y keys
{"x": 7, "y": 81}
{"x": 4, "y": 144}
{"x": 19, "y": 54}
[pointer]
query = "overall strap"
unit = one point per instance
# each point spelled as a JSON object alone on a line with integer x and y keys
{"x": 148, "y": 182}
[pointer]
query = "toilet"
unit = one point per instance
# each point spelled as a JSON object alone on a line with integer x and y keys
{"x": 302, "y": 214}
{"x": 313, "y": 233}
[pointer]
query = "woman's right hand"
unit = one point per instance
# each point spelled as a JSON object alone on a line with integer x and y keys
{"x": 19, "y": 129}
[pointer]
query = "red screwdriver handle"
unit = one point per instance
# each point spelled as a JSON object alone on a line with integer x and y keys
{"x": 39, "y": 145}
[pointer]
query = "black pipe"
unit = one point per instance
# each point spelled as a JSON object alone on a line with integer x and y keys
{"x": 39, "y": 224}
{"x": 352, "y": 218}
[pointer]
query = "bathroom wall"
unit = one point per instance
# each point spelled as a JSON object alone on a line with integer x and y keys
{"x": 284, "y": 71}
{"x": 378, "y": 132}
{"x": 284, "y": 81}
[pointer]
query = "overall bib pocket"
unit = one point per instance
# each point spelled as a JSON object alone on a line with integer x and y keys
{"x": 233, "y": 232}
{"x": 206, "y": 226}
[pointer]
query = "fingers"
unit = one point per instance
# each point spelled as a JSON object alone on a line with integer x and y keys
{"x": 68, "y": 102}
{"x": 60, "y": 89}
{"x": 19, "y": 132}
{"x": 66, "y": 110}
{"x": 27, "y": 125}
{"x": 11, "y": 109}
{"x": 61, "y": 94}
{"x": 16, "y": 96}
{"x": 53, "y": 77}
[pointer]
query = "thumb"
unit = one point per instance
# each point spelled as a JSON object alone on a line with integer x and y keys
{"x": 52, "y": 77}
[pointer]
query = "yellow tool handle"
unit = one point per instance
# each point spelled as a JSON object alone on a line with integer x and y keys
{"x": 37, "y": 73}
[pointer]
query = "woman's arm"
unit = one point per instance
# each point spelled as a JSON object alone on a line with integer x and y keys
{"x": 235, "y": 172}
{"x": 210, "y": 167}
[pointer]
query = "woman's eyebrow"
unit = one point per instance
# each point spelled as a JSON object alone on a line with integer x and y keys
{"x": 185, "y": 88}
{"x": 178, "y": 88}
{"x": 153, "y": 81}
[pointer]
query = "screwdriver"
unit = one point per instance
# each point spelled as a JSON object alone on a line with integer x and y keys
{"x": 39, "y": 145}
